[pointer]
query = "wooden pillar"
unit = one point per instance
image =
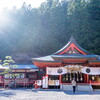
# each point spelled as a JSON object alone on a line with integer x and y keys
{"x": 87, "y": 78}
{"x": 60, "y": 79}
{"x": 84, "y": 78}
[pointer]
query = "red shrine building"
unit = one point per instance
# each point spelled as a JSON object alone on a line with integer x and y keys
{"x": 57, "y": 70}
{"x": 71, "y": 61}
{"x": 26, "y": 75}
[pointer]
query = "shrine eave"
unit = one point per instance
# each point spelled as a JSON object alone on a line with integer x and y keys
{"x": 75, "y": 56}
{"x": 59, "y": 58}
{"x": 45, "y": 58}
{"x": 44, "y": 61}
{"x": 95, "y": 61}
{"x": 20, "y": 67}
{"x": 71, "y": 53}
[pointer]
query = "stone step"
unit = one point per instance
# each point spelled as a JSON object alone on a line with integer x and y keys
{"x": 84, "y": 88}
{"x": 96, "y": 90}
{"x": 78, "y": 87}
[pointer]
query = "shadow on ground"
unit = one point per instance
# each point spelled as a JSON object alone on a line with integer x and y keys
{"x": 13, "y": 92}
{"x": 6, "y": 94}
{"x": 81, "y": 93}
{"x": 69, "y": 92}
{"x": 26, "y": 89}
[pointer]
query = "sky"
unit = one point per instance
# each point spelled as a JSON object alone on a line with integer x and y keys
{"x": 10, "y": 3}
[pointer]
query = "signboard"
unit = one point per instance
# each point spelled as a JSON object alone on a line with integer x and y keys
{"x": 53, "y": 83}
{"x": 8, "y": 76}
{"x": 19, "y": 75}
{"x": 57, "y": 82}
{"x": 39, "y": 82}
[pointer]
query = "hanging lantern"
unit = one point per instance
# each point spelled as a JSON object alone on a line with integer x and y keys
{"x": 74, "y": 75}
{"x": 81, "y": 77}
{"x": 93, "y": 78}
{"x": 66, "y": 77}
{"x": 70, "y": 77}
{"x": 77, "y": 76}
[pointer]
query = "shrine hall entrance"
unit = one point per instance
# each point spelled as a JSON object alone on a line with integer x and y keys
{"x": 54, "y": 81}
{"x": 79, "y": 77}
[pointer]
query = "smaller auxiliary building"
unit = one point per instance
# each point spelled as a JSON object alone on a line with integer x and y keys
{"x": 72, "y": 61}
{"x": 26, "y": 75}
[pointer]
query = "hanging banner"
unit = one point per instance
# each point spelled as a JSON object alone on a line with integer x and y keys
{"x": 91, "y": 70}
{"x": 56, "y": 71}
{"x": 82, "y": 69}
{"x": 45, "y": 82}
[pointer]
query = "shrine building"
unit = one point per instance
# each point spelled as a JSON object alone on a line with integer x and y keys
{"x": 26, "y": 75}
{"x": 71, "y": 61}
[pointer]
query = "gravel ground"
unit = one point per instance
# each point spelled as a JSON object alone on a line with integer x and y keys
{"x": 31, "y": 94}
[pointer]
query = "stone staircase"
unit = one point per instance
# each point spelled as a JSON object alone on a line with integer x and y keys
{"x": 84, "y": 88}
{"x": 78, "y": 88}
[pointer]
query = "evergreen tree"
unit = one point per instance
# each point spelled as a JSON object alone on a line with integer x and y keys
{"x": 44, "y": 30}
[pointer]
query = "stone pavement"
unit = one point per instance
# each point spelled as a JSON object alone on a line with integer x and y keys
{"x": 32, "y": 94}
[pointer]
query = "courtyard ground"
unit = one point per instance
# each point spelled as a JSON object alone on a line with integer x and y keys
{"x": 32, "y": 94}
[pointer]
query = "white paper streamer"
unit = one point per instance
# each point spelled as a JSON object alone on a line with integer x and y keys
{"x": 91, "y": 70}
{"x": 56, "y": 71}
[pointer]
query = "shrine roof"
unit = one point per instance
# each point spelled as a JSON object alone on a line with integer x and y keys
{"x": 45, "y": 58}
{"x": 21, "y": 67}
{"x": 26, "y": 67}
{"x": 75, "y": 56}
{"x": 52, "y": 58}
{"x": 98, "y": 61}
{"x": 72, "y": 41}
{"x": 70, "y": 51}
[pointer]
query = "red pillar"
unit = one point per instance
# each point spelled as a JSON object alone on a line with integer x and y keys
{"x": 60, "y": 79}
{"x": 87, "y": 78}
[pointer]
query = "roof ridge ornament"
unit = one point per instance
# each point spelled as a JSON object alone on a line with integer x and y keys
{"x": 72, "y": 38}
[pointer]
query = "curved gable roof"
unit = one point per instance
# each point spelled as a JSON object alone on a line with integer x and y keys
{"x": 72, "y": 44}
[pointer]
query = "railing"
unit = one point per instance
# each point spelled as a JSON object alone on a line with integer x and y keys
{"x": 94, "y": 82}
{"x": 17, "y": 81}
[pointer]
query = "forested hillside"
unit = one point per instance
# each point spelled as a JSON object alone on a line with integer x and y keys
{"x": 42, "y": 31}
